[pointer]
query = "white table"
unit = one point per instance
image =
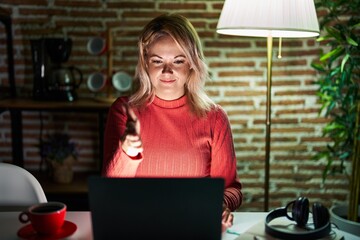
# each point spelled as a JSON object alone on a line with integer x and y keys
{"x": 9, "y": 225}
{"x": 242, "y": 222}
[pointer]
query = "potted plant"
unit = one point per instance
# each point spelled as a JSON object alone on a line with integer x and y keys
{"x": 338, "y": 91}
{"x": 60, "y": 154}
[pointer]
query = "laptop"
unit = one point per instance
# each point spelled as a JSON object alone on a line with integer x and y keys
{"x": 156, "y": 208}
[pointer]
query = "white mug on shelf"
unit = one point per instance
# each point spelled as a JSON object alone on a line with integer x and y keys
{"x": 97, "y": 45}
{"x": 96, "y": 81}
{"x": 121, "y": 81}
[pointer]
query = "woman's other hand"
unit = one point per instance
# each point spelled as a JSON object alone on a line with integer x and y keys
{"x": 226, "y": 219}
{"x": 131, "y": 142}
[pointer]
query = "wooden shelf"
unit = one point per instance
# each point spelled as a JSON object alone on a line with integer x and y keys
{"x": 79, "y": 184}
{"x": 82, "y": 104}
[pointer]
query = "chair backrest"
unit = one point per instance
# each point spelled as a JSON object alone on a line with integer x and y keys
{"x": 19, "y": 189}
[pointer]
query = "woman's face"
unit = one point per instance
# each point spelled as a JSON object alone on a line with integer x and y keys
{"x": 168, "y": 68}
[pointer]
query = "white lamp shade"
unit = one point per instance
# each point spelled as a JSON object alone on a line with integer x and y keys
{"x": 263, "y": 18}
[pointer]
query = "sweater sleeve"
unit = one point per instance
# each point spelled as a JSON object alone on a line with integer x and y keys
{"x": 223, "y": 163}
{"x": 116, "y": 163}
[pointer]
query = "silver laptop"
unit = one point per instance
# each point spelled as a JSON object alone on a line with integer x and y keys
{"x": 156, "y": 208}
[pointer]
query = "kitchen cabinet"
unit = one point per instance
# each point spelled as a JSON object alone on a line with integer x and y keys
{"x": 17, "y": 105}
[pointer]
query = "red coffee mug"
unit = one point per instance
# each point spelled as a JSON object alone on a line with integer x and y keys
{"x": 46, "y": 218}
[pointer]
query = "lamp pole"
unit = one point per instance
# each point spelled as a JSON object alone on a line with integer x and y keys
{"x": 268, "y": 122}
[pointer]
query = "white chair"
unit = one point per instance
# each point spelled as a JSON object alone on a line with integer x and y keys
{"x": 19, "y": 189}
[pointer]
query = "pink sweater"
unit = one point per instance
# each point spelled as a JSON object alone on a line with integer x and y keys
{"x": 176, "y": 144}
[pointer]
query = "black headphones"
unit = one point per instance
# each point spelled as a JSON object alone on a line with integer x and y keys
{"x": 300, "y": 214}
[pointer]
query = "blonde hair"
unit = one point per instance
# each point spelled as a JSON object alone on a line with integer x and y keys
{"x": 185, "y": 35}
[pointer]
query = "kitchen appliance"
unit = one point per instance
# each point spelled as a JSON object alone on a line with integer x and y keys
{"x": 52, "y": 80}
{"x": 5, "y": 19}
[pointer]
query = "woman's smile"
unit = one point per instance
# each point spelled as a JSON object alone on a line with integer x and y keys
{"x": 167, "y": 80}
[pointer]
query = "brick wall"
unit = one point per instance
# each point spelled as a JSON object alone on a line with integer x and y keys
{"x": 238, "y": 70}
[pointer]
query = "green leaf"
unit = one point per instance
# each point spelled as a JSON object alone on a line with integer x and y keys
{"x": 318, "y": 67}
{"x": 333, "y": 126}
{"x": 323, "y": 38}
{"x": 351, "y": 41}
{"x": 355, "y": 26}
{"x": 334, "y": 72}
{"x": 335, "y": 33}
{"x": 343, "y": 62}
{"x": 321, "y": 155}
{"x": 332, "y": 53}
{"x": 344, "y": 155}
{"x": 344, "y": 77}
{"x": 327, "y": 168}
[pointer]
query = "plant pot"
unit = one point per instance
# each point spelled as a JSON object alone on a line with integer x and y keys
{"x": 338, "y": 217}
{"x": 63, "y": 172}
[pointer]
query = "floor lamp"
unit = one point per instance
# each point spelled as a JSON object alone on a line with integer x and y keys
{"x": 269, "y": 18}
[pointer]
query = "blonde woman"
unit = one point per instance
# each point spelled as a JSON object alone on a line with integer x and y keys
{"x": 169, "y": 127}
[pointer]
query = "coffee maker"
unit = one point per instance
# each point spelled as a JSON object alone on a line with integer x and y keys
{"x": 52, "y": 80}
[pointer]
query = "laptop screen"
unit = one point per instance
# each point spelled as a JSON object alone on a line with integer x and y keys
{"x": 156, "y": 208}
